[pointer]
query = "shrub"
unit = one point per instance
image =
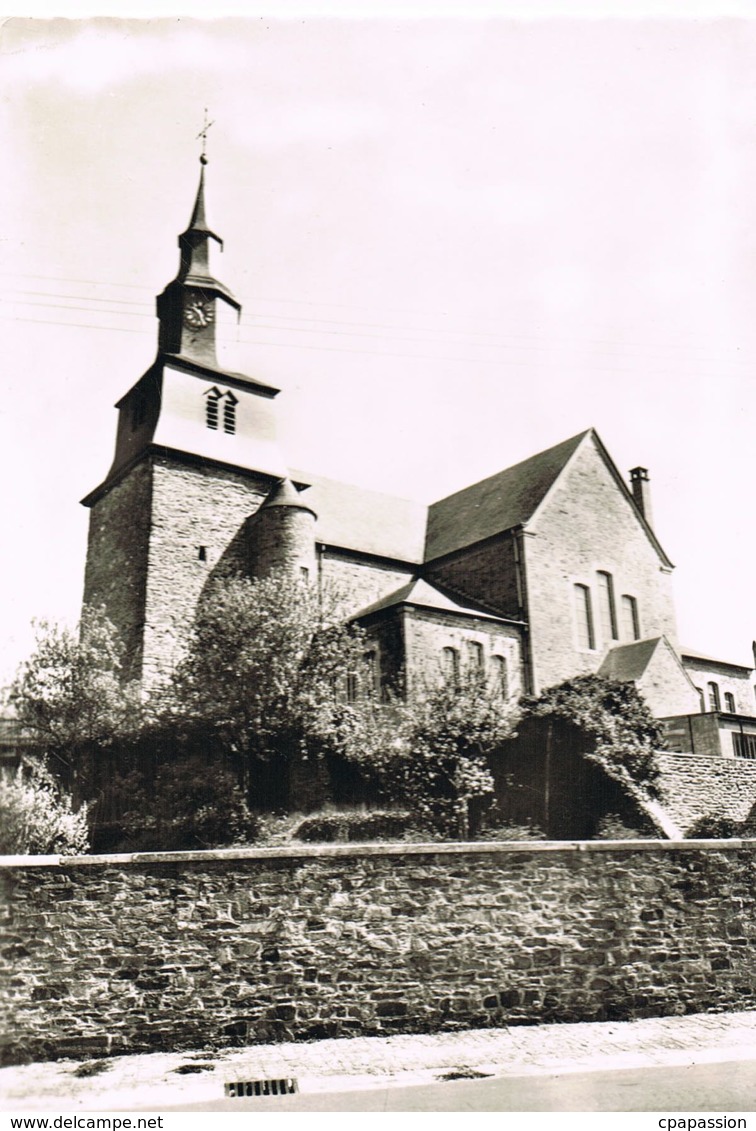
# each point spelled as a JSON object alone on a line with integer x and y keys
{"x": 375, "y": 825}
{"x": 37, "y": 817}
{"x": 716, "y": 828}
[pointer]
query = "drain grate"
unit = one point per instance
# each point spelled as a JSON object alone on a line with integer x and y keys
{"x": 285, "y": 1087}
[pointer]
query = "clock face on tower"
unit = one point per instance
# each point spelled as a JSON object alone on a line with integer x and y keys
{"x": 198, "y": 314}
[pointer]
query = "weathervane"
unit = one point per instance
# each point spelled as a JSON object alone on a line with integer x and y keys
{"x": 203, "y": 134}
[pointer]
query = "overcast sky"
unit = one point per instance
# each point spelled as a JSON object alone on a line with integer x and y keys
{"x": 457, "y": 242}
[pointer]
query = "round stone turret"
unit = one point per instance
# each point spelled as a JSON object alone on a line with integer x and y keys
{"x": 282, "y": 535}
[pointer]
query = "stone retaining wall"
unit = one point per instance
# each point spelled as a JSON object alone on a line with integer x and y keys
{"x": 694, "y": 787}
{"x": 189, "y": 950}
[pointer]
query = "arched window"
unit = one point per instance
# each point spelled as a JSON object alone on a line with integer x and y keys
{"x": 475, "y": 656}
{"x": 729, "y": 702}
{"x": 450, "y": 665}
{"x": 500, "y": 675}
{"x": 713, "y": 689}
{"x": 606, "y": 606}
{"x": 630, "y": 623}
{"x": 584, "y": 615}
{"x": 701, "y": 700}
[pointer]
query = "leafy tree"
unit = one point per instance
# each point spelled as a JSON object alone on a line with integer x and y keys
{"x": 266, "y": 671}
{"x": 68, "y": 696}
{"x": 431, "y": 753}
{"x": 615, "y": 716}
{"x": 37, "y": 817}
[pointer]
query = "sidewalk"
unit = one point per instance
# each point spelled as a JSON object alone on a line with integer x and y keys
{"x": 159, "y": 1079}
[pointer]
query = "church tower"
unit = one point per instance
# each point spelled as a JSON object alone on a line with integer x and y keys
{"x": 195, "y": 456}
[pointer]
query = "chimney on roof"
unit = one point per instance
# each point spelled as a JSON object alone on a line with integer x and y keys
{"x": 639, "y": 485}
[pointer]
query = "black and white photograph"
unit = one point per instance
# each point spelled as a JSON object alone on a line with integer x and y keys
{"x": 378, "y": 638}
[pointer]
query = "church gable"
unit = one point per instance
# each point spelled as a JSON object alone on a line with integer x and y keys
{"x": 596, "y": 574}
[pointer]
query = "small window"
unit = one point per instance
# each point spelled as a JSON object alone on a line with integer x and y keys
{"x": 304, "y": 573}
{"x": 606, "y": 606}
{"x": 584, "y": 613}
{"x": 450, "y": 665}
{"x": 202, "y": 553}
{"x": 729, "y": 699}
{"x": 701, "y": 700}
{"x": 475, "y": 656}
{"x": 500, "y": 675}
{"x": 630, "y": 622}
{"x": 229, "y": 414}
{"x": 713, "y": 690}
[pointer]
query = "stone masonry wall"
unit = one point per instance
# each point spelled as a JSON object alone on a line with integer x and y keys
{"x": 198, "y": 527}
{"x": 584, "y": 526}
{"x": 693, "y": 787}
{"x": 126, "y": 953}
{"x": 116, "y": 571}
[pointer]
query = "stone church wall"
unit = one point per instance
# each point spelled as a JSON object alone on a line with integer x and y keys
{"x": 130, "y": 953}
{"x": 359, "y": 582}
{"x": 428, "y": 633}
{"x": 587, "y": 525}
{"x": 116, "y": 572}
{"x": 485, "y": 573}
{"x": 198, "y": 531}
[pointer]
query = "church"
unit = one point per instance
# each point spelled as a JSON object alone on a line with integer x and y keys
{"x": 546, "y": 570}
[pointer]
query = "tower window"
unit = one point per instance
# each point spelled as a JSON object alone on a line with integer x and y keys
{"x": 584, "y": 614}
{"x": 606, "y": 606}
{"x": 202, "y": 553}
{"x": 229, "y": 414}
{"x": 630, "y": 622}
{"x": 713, "y": 689}
{"x": 211, "y": 408}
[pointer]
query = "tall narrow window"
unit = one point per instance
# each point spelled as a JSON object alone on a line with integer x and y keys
{"x": 475, "y": 656}
{"x": 701, "y": 699}
{"x": 606, "y": 606}
{"x": 713, "y": 689}
{"x": 352, "y": 687}
{"x": 500, "y": 675}
{"x": 211, "y": 408}
{"x": 229, "y": 414}
{"x": 584, "y": 615}
{"x": 373, "y": 674}
{"x": 450, "y": 665}
{"x": 630, "y": 622}
{"x": 729, "y": 702}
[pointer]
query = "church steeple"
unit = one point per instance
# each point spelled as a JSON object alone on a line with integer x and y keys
{"x": 187, "y": 307}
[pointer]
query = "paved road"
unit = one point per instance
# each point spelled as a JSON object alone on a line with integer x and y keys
{"x": 723, "y": 1087}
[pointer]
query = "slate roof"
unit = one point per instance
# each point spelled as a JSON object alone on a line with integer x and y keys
{"x": 504, "y": 500}
{"x": 629, "y": 661}
{"x": 355, "y": 518}
{"x": 427, "y": 596}
{"x": 702, "y": 658}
